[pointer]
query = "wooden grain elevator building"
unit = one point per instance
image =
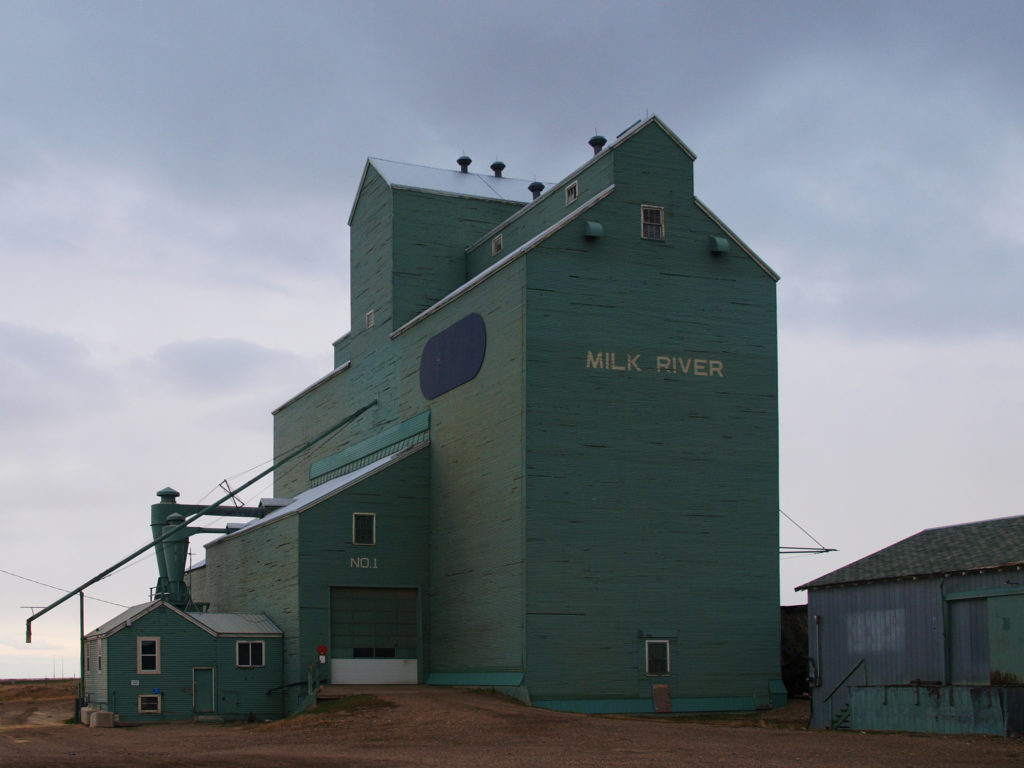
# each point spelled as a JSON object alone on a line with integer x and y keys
{"x": 565, "y": 485}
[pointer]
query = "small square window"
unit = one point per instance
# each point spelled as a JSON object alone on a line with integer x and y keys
{"x": 149, "y": 703}
{"x": 571, "y": 193}
{"x": 657, "y": 657}
{"x": 148, "y": 657}
{"x": 496, "y": 245}
{"x": 364, "y": 528}
{"x": 369, "y": 319}
{"x": 249, "y": 653}
{"x": 652, "y": 222}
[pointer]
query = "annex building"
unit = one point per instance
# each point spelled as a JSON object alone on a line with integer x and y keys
{"x": 562, "y": 481}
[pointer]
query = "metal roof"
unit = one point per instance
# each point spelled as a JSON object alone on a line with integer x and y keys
{"x": 981, "y": 546}
{"x": 215, "y": 623}
{"x": 237, "y": 623}
{"x": 124, "y": 617}
{"x": 318, "y": 493}
{"x": 453, "y": 182}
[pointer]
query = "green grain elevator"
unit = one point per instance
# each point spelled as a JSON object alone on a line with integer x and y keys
{"x": 566, "y": 483}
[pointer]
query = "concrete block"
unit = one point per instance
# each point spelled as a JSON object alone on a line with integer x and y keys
{"x": 102, "y": 719}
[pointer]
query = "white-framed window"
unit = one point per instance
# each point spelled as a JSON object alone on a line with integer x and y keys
{"x": 364, "y": 528}
{"x": 249, "y": 653}
{"x": 149, "y": 703}
{"x": 657, "y": 657}
{"x": 147, "y": 655}
{"x": 652, "y": 222}
{"x": 369, "y": 319}
{"x": 572, "y": 191}
{"x": 496, "y": 245}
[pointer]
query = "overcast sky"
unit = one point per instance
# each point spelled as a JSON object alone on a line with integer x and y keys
{"x": 175, "y": 180}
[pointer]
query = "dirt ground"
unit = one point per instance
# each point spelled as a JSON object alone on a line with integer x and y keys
{"x": 425, "y": 726}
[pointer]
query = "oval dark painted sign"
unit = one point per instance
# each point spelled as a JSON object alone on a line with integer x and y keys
{"x": 453, "y": 357}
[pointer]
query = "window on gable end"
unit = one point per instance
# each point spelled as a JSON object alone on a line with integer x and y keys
{"x": 652, "y": 222}
{"x": 364, "y": 528}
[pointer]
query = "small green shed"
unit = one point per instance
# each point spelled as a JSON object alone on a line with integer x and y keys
{"x": 155, "y": 662}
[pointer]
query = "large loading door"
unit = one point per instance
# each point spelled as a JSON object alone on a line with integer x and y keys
{"x": 374, "y": 635}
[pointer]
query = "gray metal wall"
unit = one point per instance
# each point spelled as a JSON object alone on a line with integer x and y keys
{"x": 899, "y": 629}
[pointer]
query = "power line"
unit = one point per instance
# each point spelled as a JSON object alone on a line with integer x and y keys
{"x": 50, "y": 586}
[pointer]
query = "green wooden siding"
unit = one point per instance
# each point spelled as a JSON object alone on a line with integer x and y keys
{"x": 398, "y": 496}
{"x": 610, "y": 475}
{"x": 257, "y": 571}
{"x": 652, "y": 496}
{"x": 476, "y": 567}
{"x": 544, "y": 212}
{"x": 429, "y": 258}
{"x": 238, "y": 692}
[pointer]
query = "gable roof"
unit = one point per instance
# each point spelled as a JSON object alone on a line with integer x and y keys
{"x": 214, "y": 623}
{"x": 986, "y": 545}
{"x": 451, "y": 182}
{"x": 445, "y": 181}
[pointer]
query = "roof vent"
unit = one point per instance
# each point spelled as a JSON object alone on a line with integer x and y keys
{"x": 464, "y": 162}
{"x": 597, "y": 142}
{"x": 536, "y": 187}
{"x": 168, "y": 495}
{"x": 497, "y": 166}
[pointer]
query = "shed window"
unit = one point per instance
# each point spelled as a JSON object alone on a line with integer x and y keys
{"x": 652, "y": 222}
{"x": 369, "y": 319}
{"x": 496, "y": 245}
{"x": 572, "y": 192}
{"x": 148, "y": 656}
{"x": 149, "y": 703}
{"x": 249, "y": 653}
{"x": 364, "y": 528}
{"x": 657, "y": 657}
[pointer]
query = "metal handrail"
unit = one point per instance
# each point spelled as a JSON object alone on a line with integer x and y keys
{"x": 840, "y": 684}
{"x": 849, "y": 674}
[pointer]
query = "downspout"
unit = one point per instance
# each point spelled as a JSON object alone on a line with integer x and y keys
{"x": 947, "y": 671}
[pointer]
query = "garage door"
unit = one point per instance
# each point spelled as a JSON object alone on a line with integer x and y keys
{"x": 373, "y": 635}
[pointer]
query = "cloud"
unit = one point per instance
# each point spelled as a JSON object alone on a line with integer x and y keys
{"x": 48, "y": 377}
{"x": 223, "y": 368}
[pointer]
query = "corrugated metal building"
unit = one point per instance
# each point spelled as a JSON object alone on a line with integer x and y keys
{"x": 925, "y": 635}
{"x": 566, "y": 483}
